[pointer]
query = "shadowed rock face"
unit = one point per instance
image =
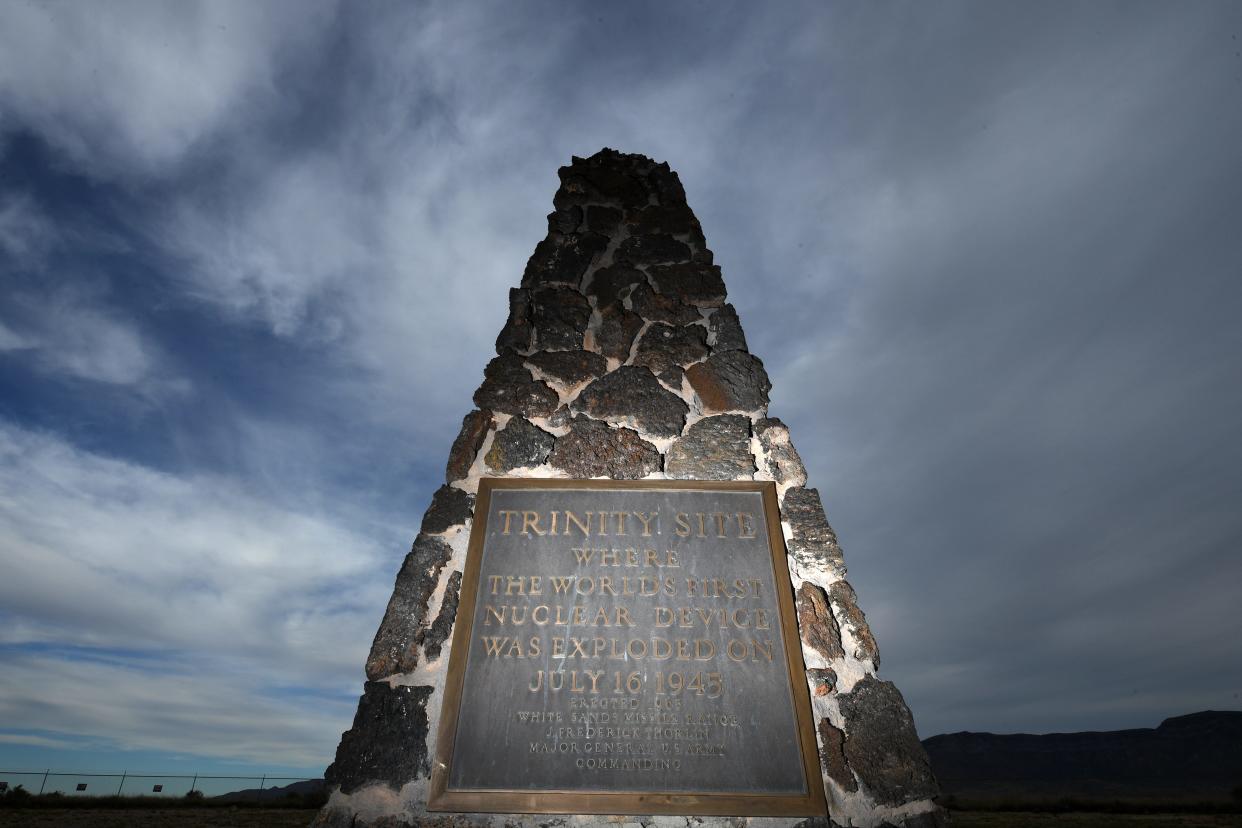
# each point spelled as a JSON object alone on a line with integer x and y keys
{"x": 714, "y": 448}
{"x": 395, "y": 648}
{"x": 633, "y": 393}
{"x": 621, "y": 358}
{"x": 881, "y": 744}
{"x": 519, "y": 444}
{"x": 592, "y": 449}
{"x": 388, "y": 741}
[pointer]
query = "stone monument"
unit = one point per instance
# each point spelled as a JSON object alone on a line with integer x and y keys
{"x": 624, "y": 605}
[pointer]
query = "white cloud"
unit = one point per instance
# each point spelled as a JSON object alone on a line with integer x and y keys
{"x": 70, "y": 334}
{"x": 102, "y": 553}
{"x": 139, "y": 84}
{"x": 193, "y": 706}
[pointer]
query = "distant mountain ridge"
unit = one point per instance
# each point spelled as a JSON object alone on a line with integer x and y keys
{"x": 1197, "y": 756}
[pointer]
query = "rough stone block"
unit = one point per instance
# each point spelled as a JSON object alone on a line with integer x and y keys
{"x": 563, "y": 259}
{"x": 832, "y": 755}
{"x": 395, "y": 648}
{"x": 508, "y": 387}
{"x": 474, "y": 428}
{"x": 519, "y": 444}
{"x": 882, "y": 746}
{"x": 671, "y": 377}
{"x": 726, "y": 330}
{"x": 816, "y": 623}
{"x": 517, "y": 333}
{"x": 601, "y": 219}
{"x": 593, "y": 449}
{"x": 388, "y": 741}
{"x": 449, "y": 507}
{"x": 824, "y": 678}
{"x": 783, "y": 462}
{"x": 610, "y": 284}
{"x": 694, "y": 282}
{"x": 564, "y": 221}
{"x": 607, "y": 178}
{"x": 659, "y": 307}
{"x": 617, "y": 330}
{"x": 845, "y": 605}
{"x": 560, "y": 316}
{"x": 714, "y": 448}
{"x": 633, "y": 394}
{"x": 664, "y": 346}
{"x": 438, "y": 632}
{"x": 813, "y": 543}
{"x": 569, "y": 367}
{"x": 670, "y": 219}
{"x": 652, "y": 250}
{"x": 730, "y": 381}
{"x": 666, "y": 185}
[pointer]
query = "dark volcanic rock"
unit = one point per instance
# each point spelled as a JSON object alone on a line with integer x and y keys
{"x": 563, "y": 259}
{"x": 726, "y": 330}
{"x": 650, "y": 250}
{"x": 813, "y": 541}
{"x": 438, "y": 632}
{"x": 783, "y": 462}
{"x": 388, "y": 742}
{"x": 666, "y": 185}
{"x": 714, "y": 448}
{"x": 730, "y": 381}
{"x": 564, "y": 221}
{"x": 508, "y": 387}
{"x": 569, "y": 367}
{"x": 617, "y": 330}
{"x": 825, "y": 679}
{"x": 517, "y": 332}
{"x": 474, "y": 428}
{"x": 395, "y": 648}
{"x": 593, "y": 449}
{"x": 664, "y": 346}
{"x": 671, "y": 219}
{"x": 449, "y": 507}
{"x": 657, "y": 307}
{"x": 816, "y": 623}
{"x": 845, "y": 605}
{"x": 519, "y": 444}
{"x": 693, "y": 282}
{"x": 601, "y": 219}
{"x": 560, "y": 316}
{"x": 610, "y": 284}
{"x": 832, "y": 754}
{"x": 560, "y": 417}
{"x": 633, "y": 394}
{"x": 671, "y": 377}
{"x": 606, "y": 176}
{"x": 881, "y": 744}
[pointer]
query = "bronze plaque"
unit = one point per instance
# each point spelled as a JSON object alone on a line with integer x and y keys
{"x": 626, "y": 647}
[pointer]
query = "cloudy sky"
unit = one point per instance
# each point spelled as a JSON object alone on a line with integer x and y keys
{"x": 254, "y": 256}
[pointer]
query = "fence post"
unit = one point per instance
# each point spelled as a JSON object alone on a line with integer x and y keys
{"x": 194, "y": 783}
{"x": 262, "y": 782}
{"x": 44, "y": 782}
{"x": 122, "y": 785}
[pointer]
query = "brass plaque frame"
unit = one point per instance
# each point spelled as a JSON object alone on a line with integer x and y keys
{"x": 442, "y": 798}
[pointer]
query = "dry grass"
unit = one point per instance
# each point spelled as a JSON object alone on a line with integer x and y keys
{"x": 1020, "y": 819}
{"x": 156, "y": 818}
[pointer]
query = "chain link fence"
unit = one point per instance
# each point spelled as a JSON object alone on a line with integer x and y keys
{"x": 172, "y": 785}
